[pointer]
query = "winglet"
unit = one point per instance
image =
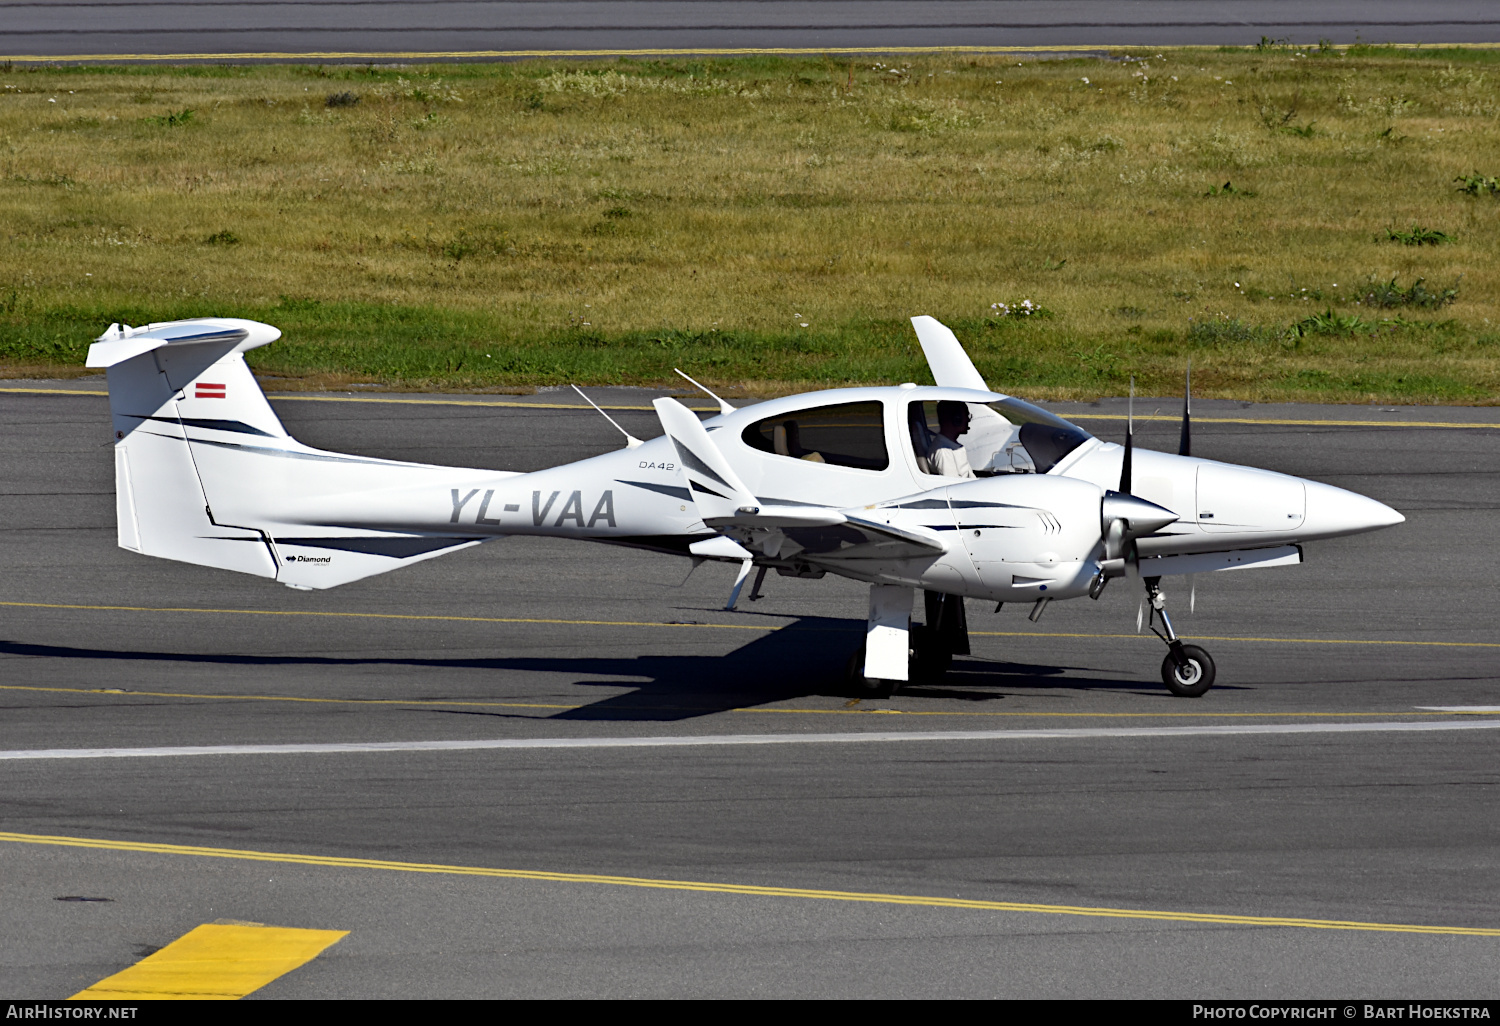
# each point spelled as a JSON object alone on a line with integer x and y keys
{"x": 716, "y": 489}
{"x": 945, "y": 356}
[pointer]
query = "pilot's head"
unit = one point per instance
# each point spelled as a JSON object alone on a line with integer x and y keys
{"x": 953, "y": 419}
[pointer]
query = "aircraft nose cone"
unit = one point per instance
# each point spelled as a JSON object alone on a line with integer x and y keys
{"x": 1333, "y": 512}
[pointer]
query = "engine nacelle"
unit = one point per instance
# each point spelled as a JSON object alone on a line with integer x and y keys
{"x": 1017, "y": 537}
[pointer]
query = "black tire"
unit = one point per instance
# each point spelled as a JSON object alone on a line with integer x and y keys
{"x": 1191, "y": 681}
{"x": 866, "y": 687}
{"x": 930, "y": 657}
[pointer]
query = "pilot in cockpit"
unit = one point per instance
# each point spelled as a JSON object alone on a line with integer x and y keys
{"x": 942, "y": 453}
{"x": 947, "y": 454}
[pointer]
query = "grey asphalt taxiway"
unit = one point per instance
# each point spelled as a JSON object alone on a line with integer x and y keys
{"x": 1290, "y": 834}
{"x": 496, "y": 29}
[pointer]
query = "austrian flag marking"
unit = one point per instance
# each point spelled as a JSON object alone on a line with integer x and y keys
{"x": 204, "y": 390}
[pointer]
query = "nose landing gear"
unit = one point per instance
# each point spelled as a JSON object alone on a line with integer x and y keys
{"x": 1187, "y": 671}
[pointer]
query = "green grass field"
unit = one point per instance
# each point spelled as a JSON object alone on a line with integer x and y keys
{"x": 1290, "y": 219}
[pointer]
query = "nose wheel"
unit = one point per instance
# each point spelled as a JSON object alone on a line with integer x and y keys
{"x": 1187, "y": 671}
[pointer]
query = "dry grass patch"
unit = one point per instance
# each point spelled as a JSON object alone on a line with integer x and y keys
{"x": 774, "y": 221}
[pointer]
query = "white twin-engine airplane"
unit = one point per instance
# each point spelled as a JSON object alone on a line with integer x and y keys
{"x": 953, "y": 489}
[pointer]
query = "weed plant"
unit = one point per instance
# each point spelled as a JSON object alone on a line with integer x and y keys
{"x": 770, "y": 223}
{"x": 1418, "y": 236}
{"x": 172, "y": 119}
{"x": 1330, "y": 323}
{"x": 1478, "y": 185}
{"x": 1228, "y": 189}
{"x": 1417, "y": 294}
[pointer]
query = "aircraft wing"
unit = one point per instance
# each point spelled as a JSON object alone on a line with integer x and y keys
{"x": 767, "y": 517}
{"x": 823, "y": 536}
{"x": 814, "y": 534}
{"x": 878, "y": 541}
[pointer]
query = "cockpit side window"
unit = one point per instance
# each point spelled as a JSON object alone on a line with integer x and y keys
{"x": 1007, "y": 436}
{"x": 846, "y": 435}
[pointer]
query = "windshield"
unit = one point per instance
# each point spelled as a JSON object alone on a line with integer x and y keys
{"x": 1007, "y": 436}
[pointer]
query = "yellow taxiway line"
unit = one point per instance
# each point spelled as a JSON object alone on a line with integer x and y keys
{"x": 490, "y": 55}
{"x": 405, "y": 702}
{"x": 512, "y": 404}
{"x": 734, "y": 51}
{"x": 391, "y": 616}
{"x": 749, "y": 890}
{"x": 848, "y": 710}
{"x": 1226, "y": 637}
{"x": 214, "y": 962}
{"x": 717, "y": 626}
{"x": 1288, "y": 422}
{"x": 283, "y": 397}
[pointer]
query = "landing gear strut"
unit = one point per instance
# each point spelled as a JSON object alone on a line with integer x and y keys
{"x": 896, "y": 651}
{"x": 1187, "y": 671}
{"x": 943, "y": 636}
{"x": 883, "y": 663}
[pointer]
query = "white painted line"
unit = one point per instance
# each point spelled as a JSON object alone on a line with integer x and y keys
{"x": 685, "y": 741}
{"x": 1460, "y": 708}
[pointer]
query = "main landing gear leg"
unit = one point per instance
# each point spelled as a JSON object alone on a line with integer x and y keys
{"x": 944, "y": 635}
{"x": 883, "y": 664}
{"x": 1188, "y": 671}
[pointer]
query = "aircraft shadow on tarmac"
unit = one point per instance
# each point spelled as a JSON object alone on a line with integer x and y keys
{"x": 805, "y": 659}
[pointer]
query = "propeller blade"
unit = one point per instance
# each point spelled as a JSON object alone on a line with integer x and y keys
{"x": 1185, "y": 443}
{"x": 1140, "y": 615}
{"x": 1192, "y": 593}
{"x": 1129, "y": 442}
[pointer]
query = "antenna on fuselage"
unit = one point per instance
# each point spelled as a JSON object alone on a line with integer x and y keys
{"x": 724, "y": 408}
{"x": 631, "y": 441}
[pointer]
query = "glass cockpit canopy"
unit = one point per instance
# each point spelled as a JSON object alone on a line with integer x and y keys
{"x": 1004, "y": 436}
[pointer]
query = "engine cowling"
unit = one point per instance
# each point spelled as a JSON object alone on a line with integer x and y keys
{"x": 1029, "y": 536}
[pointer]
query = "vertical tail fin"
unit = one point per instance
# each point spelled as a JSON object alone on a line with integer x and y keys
{"x": 205, "y": 473}
{"x": 163, "y": 378}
